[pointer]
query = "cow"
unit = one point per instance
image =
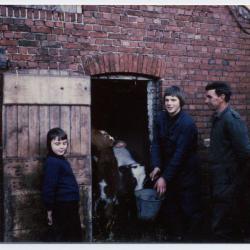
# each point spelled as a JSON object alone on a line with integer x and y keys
{"x": 133, "y": 176}
{"x": 105, "y": 183}
{"x": 116, "y": 176}
{"x": 125, "y": 160}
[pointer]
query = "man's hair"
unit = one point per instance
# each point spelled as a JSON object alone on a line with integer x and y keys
{"x": 221, "y": 88}
{"x": 53, "y": 134}
{"x": 175, "y": 91}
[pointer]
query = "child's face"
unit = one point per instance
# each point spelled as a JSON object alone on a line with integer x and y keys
{"x": 59, "y": 147}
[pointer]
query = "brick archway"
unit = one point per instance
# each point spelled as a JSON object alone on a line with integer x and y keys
{"x": 125, "y": 63}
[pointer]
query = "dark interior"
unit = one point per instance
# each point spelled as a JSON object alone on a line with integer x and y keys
{"x": 120, "y": 107}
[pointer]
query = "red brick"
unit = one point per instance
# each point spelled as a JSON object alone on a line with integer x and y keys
{"x": 48, "y": 15}
{"x": 163, "y": 69}
{"x": 139, "y": 64}
{"x": 42, "y": 14}
{"x": 3, "y": 10}
{"x": 81, "y": 33}
{"x": 130, "y": 63}
{"x": 149, "y": 65}
{"x": 10, "y": 11}
{"x": 62, "y": 38}
{"x": 121, "y": 56}
{"x": 58, "y": 31}
{"x": 49, "y": 23}
{"x": 144, "y": 64}
{"x": 72, "y": 17}
{"x": 36, "y": 14}
{"x": 61, "y": 16}
{"x": 153, "y": 67}
{"x": 67, "y": 17}
{"x": 73, "y": 66}
{"x": 6, "y": 42}
{"x": 126, "y": 62}
{"x": 117, "y": 63}
{"x": 161, "y": 41}
{"x": 106, "y": 63}
{"x": 39, "y": 23}
{"x": 89, "y": 8}
{"x": 3, "y": 27}
{"x": 32, "y": 64}
{"x": 105, "y": 9}
{"x": 12, "y": 50}
{"x": 80, "y": 18}
{"x": 23, "y": 50}
{"x": 40, "y": 29}
{"x": 134, "y": 64}
{"x": 29, "y": 22}
{"x": 91, "y": 69}
{"x": 21, "y": 57}
{"x": 97, "y": 67}
{"x": 23, "y": 12}
{"x": 101, "y": 64}
{"x": 72, "y": 46}
{"x": 97, "y": 34}
{"x": 55, "y": 16}
{"x": 112, "y": 62}
{"x": 158, "y": 70}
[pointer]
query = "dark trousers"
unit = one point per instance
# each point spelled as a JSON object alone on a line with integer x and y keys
{"x": 66, "y": 222}
{"x": 181, "y": 212}
{"x": 225, "y": 214}
{"x": 227, "y": 208}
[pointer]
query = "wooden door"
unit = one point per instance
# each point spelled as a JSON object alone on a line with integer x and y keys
{"x": 32, "y": 104}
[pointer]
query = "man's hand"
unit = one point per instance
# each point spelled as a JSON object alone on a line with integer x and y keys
{"x": 155, "y": 173}
{"x": 161, "y": 186}
{"x": 49, "y": 217}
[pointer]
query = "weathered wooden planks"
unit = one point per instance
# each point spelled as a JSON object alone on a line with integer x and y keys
{"x": 33, "y": 129}
{"x": 26, "y": 127}
{"x": 34, "y": 89}
{"x": 85, "y": 131}
{"x": 65, "y": 123}
{"x": 26, "y": 119}
{"x": 10, "y": 131}
{"x": 23, "y": 131}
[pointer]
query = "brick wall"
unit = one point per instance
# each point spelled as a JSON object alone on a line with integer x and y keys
{"x": 183, "y": 45}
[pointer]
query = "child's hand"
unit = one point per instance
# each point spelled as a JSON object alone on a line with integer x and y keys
{"x": 49, "y": 217}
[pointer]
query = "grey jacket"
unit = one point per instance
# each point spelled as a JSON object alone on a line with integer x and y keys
{"x": 229, "y": 139}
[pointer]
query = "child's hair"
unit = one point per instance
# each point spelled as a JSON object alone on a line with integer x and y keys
{"x": 175, "y": 91}
{"x": 53, "y": 134}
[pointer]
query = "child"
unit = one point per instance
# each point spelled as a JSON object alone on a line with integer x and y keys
{"x": 60, "y": 190}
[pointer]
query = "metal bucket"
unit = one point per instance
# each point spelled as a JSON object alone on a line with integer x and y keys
{"x": 148, "y": 203}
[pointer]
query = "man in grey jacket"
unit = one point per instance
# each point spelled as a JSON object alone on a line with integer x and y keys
{"x": 228, "y": 152}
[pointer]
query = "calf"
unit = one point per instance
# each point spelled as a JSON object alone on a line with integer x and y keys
{"x": 116, "y": 175}
{"x": 126, "y": 162}
{"x": 105, "y": 184}
{"x": 132, "y": 176}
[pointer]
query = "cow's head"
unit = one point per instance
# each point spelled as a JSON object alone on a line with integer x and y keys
{"x": 127, "y": 182}
{"x": 138, "y": 172}
{"x": 101, "y": 139}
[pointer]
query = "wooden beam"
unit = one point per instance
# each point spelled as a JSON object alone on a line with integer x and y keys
{"x": 42, "y": 89}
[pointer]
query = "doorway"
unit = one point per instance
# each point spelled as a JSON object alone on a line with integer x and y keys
{"x": 120, "y": 106}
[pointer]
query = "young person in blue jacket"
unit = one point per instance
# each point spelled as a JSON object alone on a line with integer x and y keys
{"x": 60, "y": 190}
{"x": 175, "y": 167}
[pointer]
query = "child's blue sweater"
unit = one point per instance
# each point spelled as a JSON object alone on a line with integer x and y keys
{"x": 59, "y": 182}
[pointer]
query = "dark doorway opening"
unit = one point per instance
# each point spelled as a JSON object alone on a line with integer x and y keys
{"x": 119, "y": 106}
